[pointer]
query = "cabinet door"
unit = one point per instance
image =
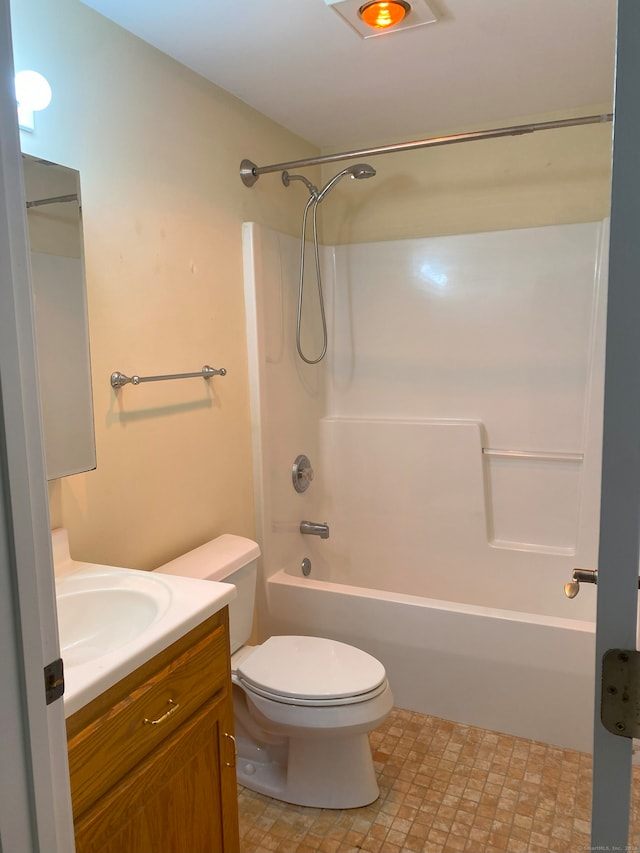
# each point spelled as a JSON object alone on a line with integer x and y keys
{"x": 228, "y": 782}
{"x": 181, "y": 799}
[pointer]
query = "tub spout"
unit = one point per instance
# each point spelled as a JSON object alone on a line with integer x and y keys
{"x": 313, "y": 528}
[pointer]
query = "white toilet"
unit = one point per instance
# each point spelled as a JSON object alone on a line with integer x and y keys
{"x": 303, "y": 706}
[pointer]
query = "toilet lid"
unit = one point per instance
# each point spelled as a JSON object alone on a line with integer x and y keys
{"x": 310, "y": 668}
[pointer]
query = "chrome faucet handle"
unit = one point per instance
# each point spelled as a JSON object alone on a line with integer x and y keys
{"x": 306, "y": 474}
{"x": 302, "y": 473}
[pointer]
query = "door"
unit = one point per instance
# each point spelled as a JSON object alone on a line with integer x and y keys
{"x": 35, "y": 805}
{"x": 617, "y": 591}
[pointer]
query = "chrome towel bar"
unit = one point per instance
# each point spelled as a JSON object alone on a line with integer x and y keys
{"x": 119, "y": 379}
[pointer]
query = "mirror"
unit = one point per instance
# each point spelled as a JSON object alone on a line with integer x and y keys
{"x": 54, "y": 215}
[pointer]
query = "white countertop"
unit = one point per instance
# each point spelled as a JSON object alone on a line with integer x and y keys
{"x": 112, "y": 620}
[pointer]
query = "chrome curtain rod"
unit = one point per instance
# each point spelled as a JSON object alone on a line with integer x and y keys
{"x": 249, "y": 172}
{"x": 119, "y": 379}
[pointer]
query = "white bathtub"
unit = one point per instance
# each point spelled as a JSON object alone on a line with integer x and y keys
{"x": 455, "y": 434}
{"x": 511, "y": 672}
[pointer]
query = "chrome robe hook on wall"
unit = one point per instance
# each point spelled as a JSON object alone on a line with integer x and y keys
{"x": 579, "y": 576}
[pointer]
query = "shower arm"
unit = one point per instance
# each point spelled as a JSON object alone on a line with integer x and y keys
{"x": 250, "y": 172}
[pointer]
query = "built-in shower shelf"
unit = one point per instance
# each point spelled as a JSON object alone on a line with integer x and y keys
{"x": 542, "y": 455}
{"x": 533, "y": 500}
{"x": 534, "y": 548}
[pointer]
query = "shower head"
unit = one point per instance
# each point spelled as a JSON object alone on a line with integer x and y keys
{"x": 360, "y": 170}
{"x": 287, "y": 178}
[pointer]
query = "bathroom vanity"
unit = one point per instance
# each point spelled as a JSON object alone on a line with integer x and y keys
{"x": 148, "y": 707}
{"x": 152, "y": 759}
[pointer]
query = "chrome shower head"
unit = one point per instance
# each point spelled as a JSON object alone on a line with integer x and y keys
{"x": 360, "y": 170}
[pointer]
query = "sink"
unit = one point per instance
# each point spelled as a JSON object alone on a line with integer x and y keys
{"x": 100, "y": 612}
{"x": 111, "y": 620}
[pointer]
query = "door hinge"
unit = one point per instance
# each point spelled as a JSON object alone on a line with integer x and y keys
{"x": 620, "y": 703}
{"x": 53, "y": 681}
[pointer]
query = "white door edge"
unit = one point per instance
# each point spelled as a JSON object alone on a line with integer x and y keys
{"x": 617, "y": 591}
{"x": 35, "y": 803}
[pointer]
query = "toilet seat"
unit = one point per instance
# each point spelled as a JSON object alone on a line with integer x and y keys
{"x": 316, "y": 703}
{"x": 311, "y": 671}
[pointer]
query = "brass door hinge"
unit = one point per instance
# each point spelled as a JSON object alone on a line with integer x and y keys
{"x": 620, "y": 705}
{"x": 54, "y": 681}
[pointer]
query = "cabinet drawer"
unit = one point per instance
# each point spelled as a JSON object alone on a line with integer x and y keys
{"x": 113, "y": 733}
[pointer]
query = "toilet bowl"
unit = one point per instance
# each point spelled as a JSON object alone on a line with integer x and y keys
{"x": 303, "y": 706}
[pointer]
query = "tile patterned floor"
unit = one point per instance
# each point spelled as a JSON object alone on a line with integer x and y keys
{"x": 444, "y": 787}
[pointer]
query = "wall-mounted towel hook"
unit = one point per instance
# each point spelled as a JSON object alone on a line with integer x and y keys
{"x": 579, "y": 576}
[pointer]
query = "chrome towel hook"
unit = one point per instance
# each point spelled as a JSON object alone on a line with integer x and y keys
{"x": 579, "y": 576}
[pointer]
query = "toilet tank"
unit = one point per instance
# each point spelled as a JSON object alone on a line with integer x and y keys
{"x": 228, "y": 559}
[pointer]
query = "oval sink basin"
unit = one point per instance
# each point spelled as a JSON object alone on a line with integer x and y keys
{"x": 112, "y": 620}
{"x": 98, "y": 613}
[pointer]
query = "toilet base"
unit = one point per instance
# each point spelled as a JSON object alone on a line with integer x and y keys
{"x": 327, "y": 773}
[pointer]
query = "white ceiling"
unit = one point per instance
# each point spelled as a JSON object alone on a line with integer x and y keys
{"x": 301, "y": 64}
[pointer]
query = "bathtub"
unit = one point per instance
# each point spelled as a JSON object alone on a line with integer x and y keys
{"x": 518, "y": 673}
{"x": 457, "y": 461}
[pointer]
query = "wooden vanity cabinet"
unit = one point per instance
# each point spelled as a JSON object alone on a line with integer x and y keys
{"x": 152, "y": 760}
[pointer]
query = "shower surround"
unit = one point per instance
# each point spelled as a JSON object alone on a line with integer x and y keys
{"x": 454, "y": 429}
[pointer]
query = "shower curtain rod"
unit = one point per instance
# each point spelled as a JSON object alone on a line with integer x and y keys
{"x": 249, "y": 172}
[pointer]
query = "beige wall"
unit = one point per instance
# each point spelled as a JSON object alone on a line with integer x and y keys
{"x": 544, "y": 178}
{"x": 158, "y": 149}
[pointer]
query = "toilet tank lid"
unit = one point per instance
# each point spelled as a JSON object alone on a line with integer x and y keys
{"x": 214, "y": 560}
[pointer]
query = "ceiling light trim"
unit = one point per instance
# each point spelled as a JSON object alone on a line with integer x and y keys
{"x": 420, "y": 14}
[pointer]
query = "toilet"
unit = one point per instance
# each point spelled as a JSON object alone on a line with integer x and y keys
{"x": 303, "y": 706}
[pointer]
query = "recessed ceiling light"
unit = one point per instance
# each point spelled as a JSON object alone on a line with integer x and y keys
{"x": 379, "y": 17}
{"x": 381, "y": 14}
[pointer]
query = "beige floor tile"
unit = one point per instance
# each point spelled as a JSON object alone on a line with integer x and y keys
{"x": 444, "y": 788}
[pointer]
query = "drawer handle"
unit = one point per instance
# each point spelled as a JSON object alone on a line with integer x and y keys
{"x": 235, "y": 751}
{"x": 174, "y": 707}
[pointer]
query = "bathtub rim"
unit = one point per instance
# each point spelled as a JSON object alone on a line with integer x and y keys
{"x": 285, "y": 578}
